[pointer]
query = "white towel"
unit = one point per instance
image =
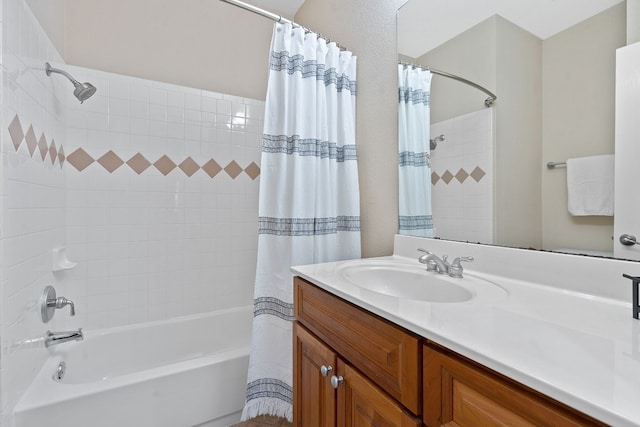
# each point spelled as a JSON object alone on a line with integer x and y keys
{"x": 590, "y": 185}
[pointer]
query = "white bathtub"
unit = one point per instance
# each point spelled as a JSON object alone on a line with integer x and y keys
{"x": 189, "y": 371}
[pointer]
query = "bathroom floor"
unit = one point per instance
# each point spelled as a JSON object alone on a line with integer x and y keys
{"x": 264, "y": 421}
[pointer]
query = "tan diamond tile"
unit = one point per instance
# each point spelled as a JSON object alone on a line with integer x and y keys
{"x": 16, "y": 133}
{"x": 478, "y": 174}
{"x": 79, "y": 159}
{"x": 53, "y": 152}
{"x": 138, "y": 163}
{"x": 32, "y": 141}
{"x": 43, "y": 146}
{"x": 447, "y": 177}
{"x": 165, "y": 165}
{"x": 189, "y": 166}
{"x": 110, "y": 161}
{"x": 61, "y": 157}
{"x": 252, "y": 170}
{"x": 233, "y": 169}
{"x": 462, "y": 175}
{"x": 212, "y": 168}
{"x": 434, "y": 178}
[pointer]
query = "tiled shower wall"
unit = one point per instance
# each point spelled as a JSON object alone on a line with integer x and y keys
{"x": 162, "y": 200}
{"x": 462, "y": 177}
{"x": 152, "y": 189}
{"x": 33, "y": 195}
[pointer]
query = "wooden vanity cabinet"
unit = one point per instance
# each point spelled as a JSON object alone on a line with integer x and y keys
{"x": 391, "y": 377}
{"x": 384, "y": 390}
{"x": 459, "y": 392}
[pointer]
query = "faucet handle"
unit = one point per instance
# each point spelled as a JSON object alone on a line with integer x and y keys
{"x": 62, "y": 301}
{"x": 456, "y": 261}
{"x": 456, "y": 267}
{"x": 423, "y": 258}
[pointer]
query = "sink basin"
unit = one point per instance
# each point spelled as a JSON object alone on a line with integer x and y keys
{"x": 411, "y": 281}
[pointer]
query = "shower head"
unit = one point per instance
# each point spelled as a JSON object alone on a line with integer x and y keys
{"x": 433, "y": 143}
{"x": 82, "y": 91}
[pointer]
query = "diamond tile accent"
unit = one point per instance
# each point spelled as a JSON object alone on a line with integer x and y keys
{"x": 32, "y": 141}
{"x": 233, "y": 169}
{"x": 252, "y": 170}
{"x": 53, "y": 152}
{"x": 165, "y": 165}
{"x": 43, "y": 146}
{"x": 79, "y": 159}
{"x": 138, "y": 163}
{"x": 189, "y": 166}
{"x": 462, "y": 175}
{"x": 212, "y": 168}
{"x": 61, "y": 157}
{"x": 16, "y": 133}
{"x": 434, "y": 178}
{"x": 110, "y": 161}
{"x": 478, "y": 174}
{"x": 447, "y": 177}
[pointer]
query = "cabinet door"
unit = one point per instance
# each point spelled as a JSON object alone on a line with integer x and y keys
{"x": 460, "y": 393}
{"x": 362, "y": 404}
{"x": 388, "y": 355}
{"x": 314, "y": 399}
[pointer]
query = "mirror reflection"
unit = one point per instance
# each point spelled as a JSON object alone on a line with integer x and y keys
{"x": 553, "y": 71}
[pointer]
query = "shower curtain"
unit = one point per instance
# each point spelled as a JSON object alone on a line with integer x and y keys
{"x": 309, "y": 208}
{"x": 414, "y": 168}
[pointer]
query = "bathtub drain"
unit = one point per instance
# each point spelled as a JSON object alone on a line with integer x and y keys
{"x": 62, "y": 368}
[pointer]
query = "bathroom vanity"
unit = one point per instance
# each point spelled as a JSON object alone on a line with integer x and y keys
{"x": 527, "y": 354}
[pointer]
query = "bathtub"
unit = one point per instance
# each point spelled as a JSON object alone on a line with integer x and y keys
{"x": 188, "y": 371}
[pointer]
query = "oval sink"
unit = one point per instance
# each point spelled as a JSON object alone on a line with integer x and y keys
{"x": 408, "y": 281}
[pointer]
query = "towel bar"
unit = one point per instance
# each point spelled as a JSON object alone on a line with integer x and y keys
{"x": 553, "y": 165}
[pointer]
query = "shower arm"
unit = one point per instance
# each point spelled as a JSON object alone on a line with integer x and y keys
{"x": 49, "y": 69}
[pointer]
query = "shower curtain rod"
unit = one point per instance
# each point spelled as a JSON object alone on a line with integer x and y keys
{"x": 276, "y": 18}
{"x": 487, "y": 102}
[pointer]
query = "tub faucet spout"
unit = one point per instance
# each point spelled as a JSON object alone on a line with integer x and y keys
{"x": 54, "y": 338}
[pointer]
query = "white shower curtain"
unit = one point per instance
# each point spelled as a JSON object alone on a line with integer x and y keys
{"x": 309, "y": 209}
{"x": 414, "y": 154}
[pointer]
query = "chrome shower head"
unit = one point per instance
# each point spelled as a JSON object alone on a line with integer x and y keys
{"x": 433, "y": 143}
{"x": 82, "y": 91}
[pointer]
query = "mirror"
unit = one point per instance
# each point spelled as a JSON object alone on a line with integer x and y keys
{"x": 552, "y": 67}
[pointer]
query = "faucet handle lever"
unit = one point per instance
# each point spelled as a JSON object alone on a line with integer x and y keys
{"x": 60, "y": 302}
{"x": 456, "y": 267}
{"x": 456, "y": 261}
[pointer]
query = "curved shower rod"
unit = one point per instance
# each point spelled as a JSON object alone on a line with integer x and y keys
{"x": 487, "y": 102}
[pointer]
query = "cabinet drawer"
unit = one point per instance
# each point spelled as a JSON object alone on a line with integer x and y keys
{"x": 390, "y": 356}
{"x": 458, "y": 392}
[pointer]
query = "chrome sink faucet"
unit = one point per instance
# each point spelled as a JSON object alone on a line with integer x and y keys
{"x": 54, "y": 338}
{"x": 441, "y": 266}
{"x": 433, "y": 262}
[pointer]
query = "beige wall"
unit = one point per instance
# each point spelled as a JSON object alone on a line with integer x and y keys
{"x": 205, "y": 44}
{"x": 633, "y": 21}
{"x": 518, "y": 119}
{"x": 368, "y": 28}
{"x": 471, "y": 55}
{"x": 51, "y": 15}
{"x": 506, "y": 60}
{"x": 578, "y": 116}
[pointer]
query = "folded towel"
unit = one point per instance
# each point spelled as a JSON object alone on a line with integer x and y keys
{"x": 590, "y": 185}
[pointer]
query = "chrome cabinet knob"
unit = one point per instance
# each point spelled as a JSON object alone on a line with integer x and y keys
{"x": 336, "y": 381}
{"x": 324, "y": 370}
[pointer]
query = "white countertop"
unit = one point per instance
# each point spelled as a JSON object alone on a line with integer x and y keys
{"x": 580, "y": 349}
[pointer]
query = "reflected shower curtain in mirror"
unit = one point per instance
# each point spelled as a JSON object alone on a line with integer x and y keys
{"x": 309, "y": 208}
{"x": 414, "y": 154}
